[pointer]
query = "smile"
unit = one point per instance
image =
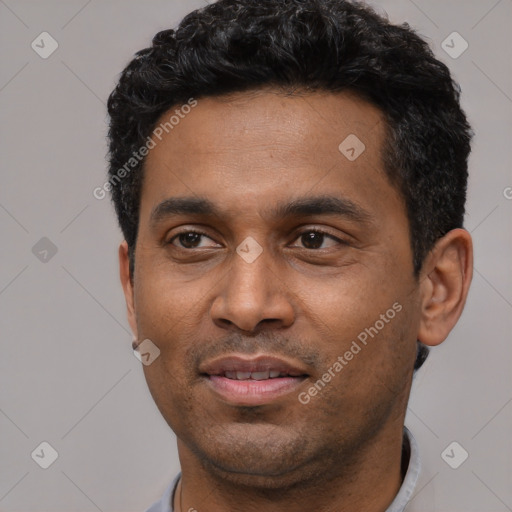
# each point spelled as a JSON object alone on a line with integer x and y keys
{"x": 250, "y": 382}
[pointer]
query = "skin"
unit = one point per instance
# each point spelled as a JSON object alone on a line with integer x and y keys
{"x": 248, "y": 153}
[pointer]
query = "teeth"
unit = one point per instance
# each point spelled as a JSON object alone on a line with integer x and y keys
{"x": 260, "y": 375}
{"x": 263, "y": 375}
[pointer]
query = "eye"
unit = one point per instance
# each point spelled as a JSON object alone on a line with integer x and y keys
{"x": 315, "y": 239}
{"x": 192, "y": 240}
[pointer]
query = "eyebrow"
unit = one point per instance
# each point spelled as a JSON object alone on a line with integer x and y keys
{"x": 182, "y": 206}
{"x": 301, "y": 207}
{"x": 323, "y": 205}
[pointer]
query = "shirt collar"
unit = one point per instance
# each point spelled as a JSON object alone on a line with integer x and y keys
{"x": 411, "y": 475}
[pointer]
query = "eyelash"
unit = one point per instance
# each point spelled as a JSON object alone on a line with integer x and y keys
{"x": 317, "y": 231}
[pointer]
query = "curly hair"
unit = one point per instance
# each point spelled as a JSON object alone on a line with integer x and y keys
{"x": 329, "y": 45}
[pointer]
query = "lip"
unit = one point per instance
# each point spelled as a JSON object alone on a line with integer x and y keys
{"x": 259, "y": 363}
{"x": 252, "y": 392}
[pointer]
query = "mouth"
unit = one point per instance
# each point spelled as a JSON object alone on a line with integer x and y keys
{"x": 260, "y": 380}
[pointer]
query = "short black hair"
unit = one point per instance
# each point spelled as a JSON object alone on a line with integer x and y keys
{"x": 309, "y": 45}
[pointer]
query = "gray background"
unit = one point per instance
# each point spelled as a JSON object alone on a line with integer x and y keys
{"x": 67, "y": 372}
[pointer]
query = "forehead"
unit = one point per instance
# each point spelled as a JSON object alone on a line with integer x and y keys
{"x": 314, "y": 123}
{"x": 249, "y": 149}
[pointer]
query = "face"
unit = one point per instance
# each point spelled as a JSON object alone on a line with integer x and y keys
{"x": 264, "y": 249}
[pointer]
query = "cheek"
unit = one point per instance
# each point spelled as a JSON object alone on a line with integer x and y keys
{"x": 349, "y": 302}
{"x": 164, "y": 309}
{"x": 372, "y": 368}
{"x": 370, "y": 322}
{"x": 164, "y": 302}
{"x": 173, "y": 399}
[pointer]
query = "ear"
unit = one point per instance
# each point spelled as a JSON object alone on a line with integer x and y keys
{"x": 444, "y": 284}
{"x": 127, "y": 283}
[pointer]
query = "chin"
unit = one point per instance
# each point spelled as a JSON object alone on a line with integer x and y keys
{"x": 252, "y": 455}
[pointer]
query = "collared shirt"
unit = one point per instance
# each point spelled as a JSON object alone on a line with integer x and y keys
{"x": 399, "y": 504}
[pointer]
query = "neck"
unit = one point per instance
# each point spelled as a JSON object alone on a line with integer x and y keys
{"x": 369, "y": 481}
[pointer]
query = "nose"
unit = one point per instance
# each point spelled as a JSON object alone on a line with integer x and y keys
{"x": 252, "y": 297}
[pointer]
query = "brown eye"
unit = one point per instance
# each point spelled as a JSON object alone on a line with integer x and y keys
{"x": 191, "y": 240}
{"x": 316, "y": 240}
{"x": 312, "y": 240}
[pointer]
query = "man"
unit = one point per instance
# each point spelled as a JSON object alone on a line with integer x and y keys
{"x": 290, "y": 179}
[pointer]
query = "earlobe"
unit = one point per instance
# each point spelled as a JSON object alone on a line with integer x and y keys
{"x": 127, "y": 283}
{"x": 444, "y": 285}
